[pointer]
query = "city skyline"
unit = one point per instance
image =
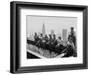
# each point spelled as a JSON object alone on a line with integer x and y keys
{"x": 44, "y": 24}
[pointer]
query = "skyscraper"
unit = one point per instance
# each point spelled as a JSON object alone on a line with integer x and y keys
{"x": 64, "y": 34}
{"x": 52, "y": 32}
{"x": 43, "y": 30}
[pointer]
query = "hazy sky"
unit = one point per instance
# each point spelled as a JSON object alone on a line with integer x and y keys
{"x": 35, "y": 23}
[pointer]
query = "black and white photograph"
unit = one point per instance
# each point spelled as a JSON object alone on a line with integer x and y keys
{"x": 51, "y": 36}
{"x": 48, "y": 37}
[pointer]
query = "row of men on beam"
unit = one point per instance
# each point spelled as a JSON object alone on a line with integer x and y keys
{"x": 55, "y": 45}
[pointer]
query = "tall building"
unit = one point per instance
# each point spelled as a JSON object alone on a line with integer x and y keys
{"x": 64, "y": 34}
{"x": 52, "y": 32}
{"x": 43, "y": 30}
